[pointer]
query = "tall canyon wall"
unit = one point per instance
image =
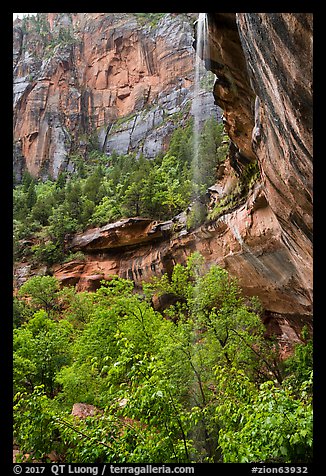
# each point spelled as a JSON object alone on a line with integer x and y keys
{"x": 103, "y": 75}
{"x": 263, "y": 68}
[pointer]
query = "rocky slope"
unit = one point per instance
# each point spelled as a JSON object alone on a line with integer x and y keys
{"x": 263, "y": 64}
{"x": 247, "y": 242}
{"x": 99, "y": 75}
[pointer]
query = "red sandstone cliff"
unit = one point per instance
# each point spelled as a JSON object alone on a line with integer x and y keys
{"x": 274, "y": 95}
{"x": 77, "y": 74}
{"x": 263, "y": 64}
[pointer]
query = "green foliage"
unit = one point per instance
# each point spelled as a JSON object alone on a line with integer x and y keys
{"x": 249, "y": 176}
{"x": 207, "y": 81}
{"x": 199, "y": 383}
{"x": 62, "y": 222}
{"x": 106, "y": 211}
{"x": 105, "y": 189}
{"x": 21, "y": 312}
{"x": 226, "y": 204}
{"x": 20, "y": 208}
{"x": 196, "y": 215}
{"x": 150, "y": 19}
{"x": 78, "y": 256}
{"x": 36, "y": 29}
{"x": 39, "y": 23}
{"x": 41, "y": 291}
{"x": 48, "y": 253}
{"x": 247, "y": 179}
{"x": 299, "y": 365}
{"x": 33, "y": 427}
{"x": 46, "y": 199}
{"x": 31, "y": 196}
{"x": 268, "y": 424}
{"x": 77, "y": 307}
{"x": 21, "y": 232}
{"x": 40, "y": 350}
{"x": 212, "y": 152}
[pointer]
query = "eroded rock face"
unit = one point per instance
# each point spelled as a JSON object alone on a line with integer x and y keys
{"x": 263, "y": 65}
{"x": 247, "y": 242}
{"x": 78, "y": 74}
{"x": 128, "y": 232}
{"x": 232, "y": 89}
{"x": 278, "y": 49}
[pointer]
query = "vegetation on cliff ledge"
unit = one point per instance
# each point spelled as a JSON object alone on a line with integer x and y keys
{"x": 104, "y": 189}
{"x": 196, "y": 382}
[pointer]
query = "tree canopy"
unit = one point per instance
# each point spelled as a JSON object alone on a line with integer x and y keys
{"x": 105, "y": 188}
{"x": 195, "y": 382}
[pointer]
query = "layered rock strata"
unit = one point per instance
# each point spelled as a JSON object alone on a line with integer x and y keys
{"x": 263, "y": 64}
{"x": 232, "y": 88}
{"x": 96, "y": 74}
{"x": 247, "y": 242}
{"x": 281, "y": 76}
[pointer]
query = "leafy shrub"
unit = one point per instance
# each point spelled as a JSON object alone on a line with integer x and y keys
{"x": 199, "y": 383}
{"x": 268, "y": 424}
{"x": 105, "y": 189}
{"x": 150, "y": 19}
{"x": 33, "y": 429}
{"x": 48, "y": 253}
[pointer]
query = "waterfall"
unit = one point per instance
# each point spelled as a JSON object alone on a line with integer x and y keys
{"x": 202, "y": 65}
{"x": 199, "y": 434}
{"x": 202, "y": 56}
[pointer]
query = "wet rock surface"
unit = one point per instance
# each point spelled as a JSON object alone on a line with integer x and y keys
{"x": 263, "y": 64}
{"x": 247, "y": 242}
{"x": 281, "y": 76}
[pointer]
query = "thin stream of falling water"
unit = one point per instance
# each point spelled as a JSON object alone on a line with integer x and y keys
{"x": 202, "y": 59}
{"x": 200, "y": 434}
{"x": 202, "y": 51}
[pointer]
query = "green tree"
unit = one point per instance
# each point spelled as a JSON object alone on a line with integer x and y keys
{"x": 31, "y": 196}
{"x": 299, "y": 365}
{"x": 20, "y": 208}
{"x": 210, "y": 148}
{"x": 27, "y": 179}
{"x": 197, "y": 382}
{"x": 268, "y": 424}
{"x": 48, "y": 253}
{"x": 41, "y": 211}
{"x": 33, "y": 426}
{"x": 132, "y": 200}
{"x": 106, "y": 211}
{"x": 42, "y": 292}
{"x": 21, "y": 312}
{"x": 46, "y": 200}
{"x": 61, "y": 223}
{"x": 181, "y": 143}
{"x": 73, "y": 199}
{"x": 41, "y": 348}
{"x": 93, "y": 186}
